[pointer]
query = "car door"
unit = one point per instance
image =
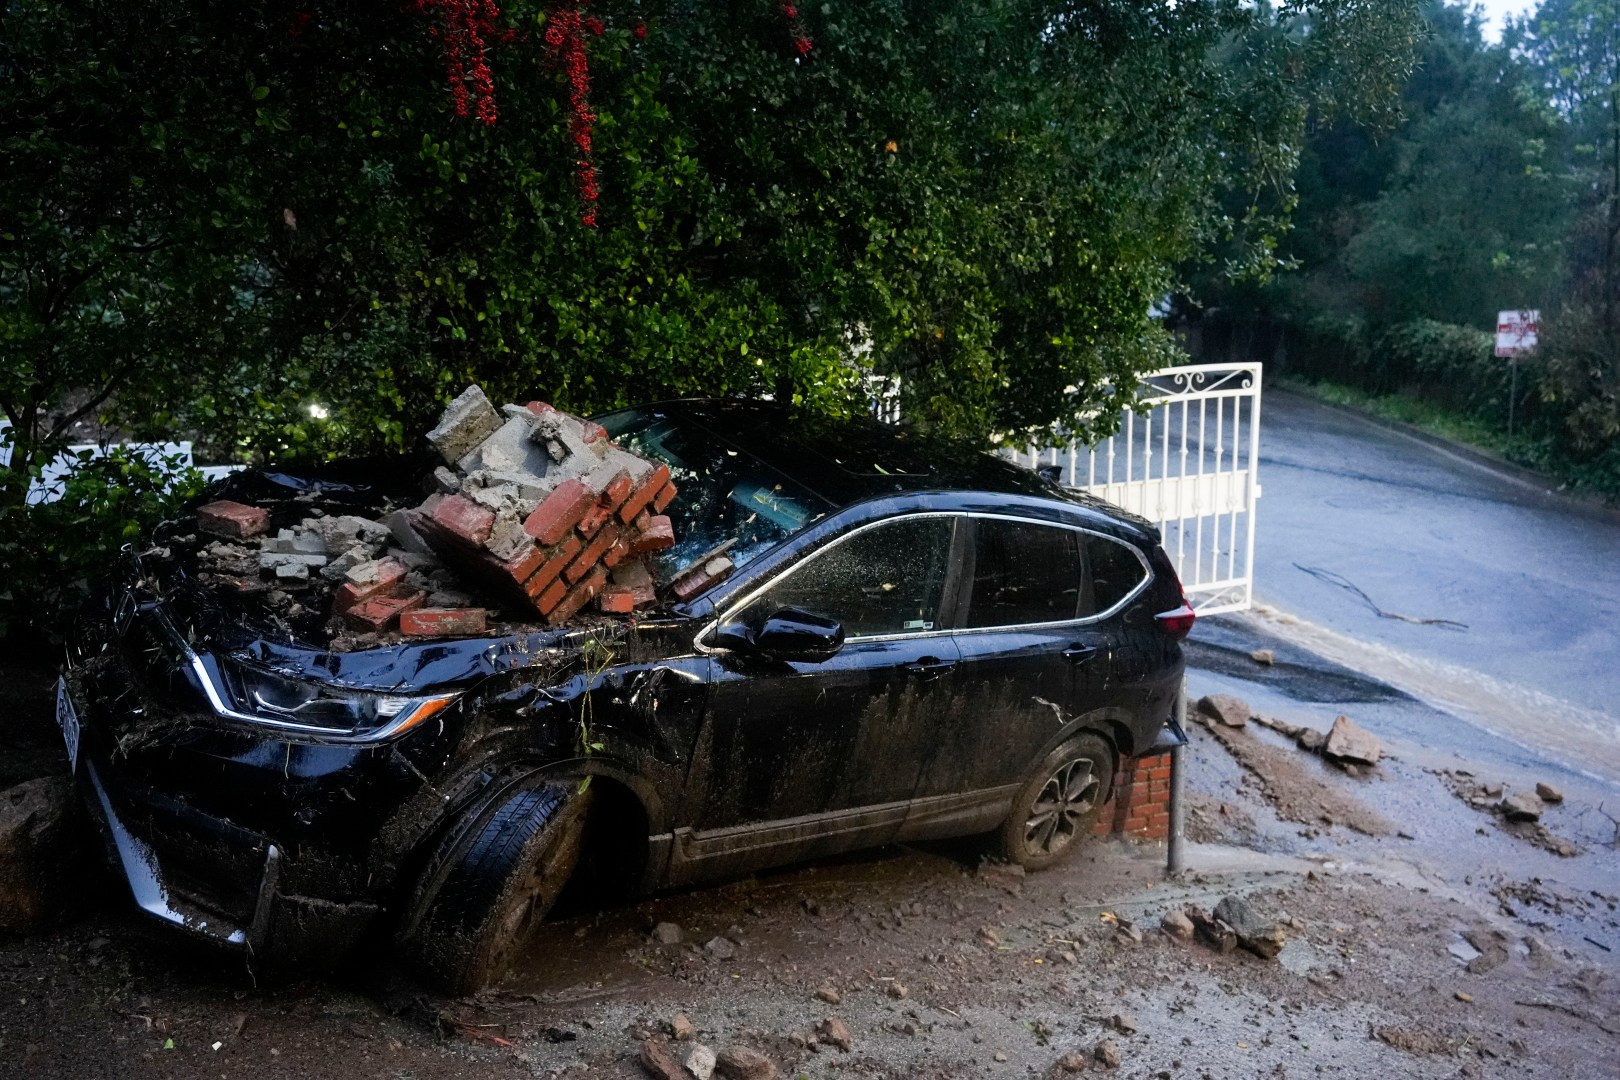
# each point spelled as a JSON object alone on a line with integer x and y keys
{"x": 1028, "y": 664}
{"x": 799, "y": 759}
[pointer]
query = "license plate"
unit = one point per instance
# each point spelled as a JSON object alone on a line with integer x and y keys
{"x": 67, "y": 718}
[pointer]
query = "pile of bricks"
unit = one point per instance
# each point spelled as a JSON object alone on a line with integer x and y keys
{"x": 539, "y": 508}
{"x": 544, "y": 508}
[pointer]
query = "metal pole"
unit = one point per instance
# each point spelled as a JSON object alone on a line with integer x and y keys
{"x": 1513, "y": 390}
{"x": 1175, "y": 863}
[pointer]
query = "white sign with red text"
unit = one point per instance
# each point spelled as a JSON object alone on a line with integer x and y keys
{"x": 1516, "y": 332}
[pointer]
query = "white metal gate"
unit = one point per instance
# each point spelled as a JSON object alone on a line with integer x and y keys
{"x": 1186, "y": 459}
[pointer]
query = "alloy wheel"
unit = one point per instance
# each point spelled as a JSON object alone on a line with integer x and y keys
{"x": 1066, "y": 799}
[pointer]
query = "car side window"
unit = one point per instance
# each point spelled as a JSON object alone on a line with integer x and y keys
{"x": 1115, "y": 571}
{"x": 1025, "y": 573}
{"x": 887, "y": 579}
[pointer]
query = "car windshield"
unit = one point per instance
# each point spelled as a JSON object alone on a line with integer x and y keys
{"x": 725, "y": 493}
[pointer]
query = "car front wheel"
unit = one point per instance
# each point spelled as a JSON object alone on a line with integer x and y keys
{"x": 1060, "y": 805}
{"x": 493, "y": 892}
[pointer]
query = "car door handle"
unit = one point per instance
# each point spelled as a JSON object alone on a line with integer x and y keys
{"x": 1079, "y": 654}
{"x": 929, "y": 667}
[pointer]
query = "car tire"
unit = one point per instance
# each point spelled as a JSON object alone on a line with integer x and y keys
{"x": 496, "y": 889}
{"x": 1059, "y": 806}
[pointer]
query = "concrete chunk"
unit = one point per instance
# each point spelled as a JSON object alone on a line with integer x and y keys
{"x": 465, "y": 422}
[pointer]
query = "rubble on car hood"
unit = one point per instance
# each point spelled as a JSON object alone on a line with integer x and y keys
{"x": 529, "y": 515}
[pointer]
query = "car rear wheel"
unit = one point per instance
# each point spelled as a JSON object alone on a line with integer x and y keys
{"x": 1059, "y": 806}
{"x": 491, "y": 892}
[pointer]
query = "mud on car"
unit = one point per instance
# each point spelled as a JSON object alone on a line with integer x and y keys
{"x": 918, "y": 641}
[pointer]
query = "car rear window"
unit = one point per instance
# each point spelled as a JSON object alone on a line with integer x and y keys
{"x": 887, "y": 579}
{"x": 1116, "y": 570}
{"x": 1025, "y": 573}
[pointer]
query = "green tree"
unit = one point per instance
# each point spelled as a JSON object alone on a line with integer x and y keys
{"x": 230, "y": 223}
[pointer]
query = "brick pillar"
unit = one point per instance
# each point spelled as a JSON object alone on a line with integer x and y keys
{"x": 1140, "y": 808}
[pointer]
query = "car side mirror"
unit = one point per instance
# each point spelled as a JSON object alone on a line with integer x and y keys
{"x": 788, "y": 634}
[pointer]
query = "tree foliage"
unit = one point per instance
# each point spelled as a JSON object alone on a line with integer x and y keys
{"x": 229, "y": 221}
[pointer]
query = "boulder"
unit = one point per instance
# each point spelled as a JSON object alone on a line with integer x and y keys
{"x": 1521, "y": 806}
{"x": 1257, "y": 935}
{"x": 1348, "y": 743}
{"x": 1309, "y": 740}
{"x": 743, "y": 1063}
{"x": 43, "y": 854}
{"x": 1228, "y": 710}
{"x": 1177, "y": 925}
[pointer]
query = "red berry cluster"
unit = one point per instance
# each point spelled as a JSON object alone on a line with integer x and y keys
{"x": 801, "y": 40}
{"x": 466, "y": 28}
{"x": 566, "y": 37}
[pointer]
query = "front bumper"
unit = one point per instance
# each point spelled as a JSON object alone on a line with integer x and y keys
{"x": 218, "y": 882}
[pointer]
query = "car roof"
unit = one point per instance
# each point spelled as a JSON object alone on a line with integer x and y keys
{"x": 849, "y": 461}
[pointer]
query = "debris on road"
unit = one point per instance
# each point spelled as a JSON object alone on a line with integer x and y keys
{"x": 1212, "y": 931}
{"x": 1521, "y": 806}
{"x": 1349, "y": 743}
{"x": 1231, "y": 711}
{"x": 1264, "y": 939}
{"x": 1177, "y": 925}
{"x": 744, "y": 1063}
{"x": 1263, "y": 656}
{"x": 833, "y": 1032}
{"x": 1547, "y": 793}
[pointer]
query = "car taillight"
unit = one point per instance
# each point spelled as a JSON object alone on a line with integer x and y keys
{"x": 1178, "y": 623}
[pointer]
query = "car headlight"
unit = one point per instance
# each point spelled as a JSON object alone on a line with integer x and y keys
{"x": 297, "y": 707}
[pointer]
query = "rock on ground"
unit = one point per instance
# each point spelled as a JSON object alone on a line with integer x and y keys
{"x": 1231, "y": 711}
{"x": 659, "y": 1062}
{"x": 667, "y": 933}
{"x": 700, "y": 1061}
{"x": 42, "y": 854}
{"x": 1348, "y": 742}
{"x": 1177, "y": 925}
{"x": 1521, "y": 806}
{"x": 1264, "y": 939}
{"x": 1107, "y": 1054}
{"x": 1549, "y": 794}
{"x": 743, "y": 1063}
{"x": 834, "y": 1032}
{"x": 1309, "y": 740}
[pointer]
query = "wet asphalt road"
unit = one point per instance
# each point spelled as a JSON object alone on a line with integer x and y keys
{"x": 1425, "y": 533}
{"x": 1534, "y": 576}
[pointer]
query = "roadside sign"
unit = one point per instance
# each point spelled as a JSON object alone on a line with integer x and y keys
{"x": 1516, "y": 332}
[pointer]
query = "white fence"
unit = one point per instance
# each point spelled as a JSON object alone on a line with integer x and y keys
{"x": 1187, "y": 459}
{"x": 49, "y": 486}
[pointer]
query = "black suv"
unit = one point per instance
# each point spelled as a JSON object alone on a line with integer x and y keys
{"x": 919, "y": 641}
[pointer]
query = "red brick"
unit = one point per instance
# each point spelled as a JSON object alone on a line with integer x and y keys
{"x": 699, "y": 578}
{"x": 615, "y": 554}
{"x": 665, "y": 496}
{"x": 442, "y": 622}
{"x": 617, "y": 600}
{"x": 597, "y": 516}
{"x": 551, "y": 596}
{"x": 380, "y": 612}
{"x": 522, "y": 566}
{"x": 578, "y": 597}
{"x": 594, "y": 431}
{"x": 233, "y": 519}
{"x": 539, "y": 408}
{"x": 466, "y": 520}
{"x": 551, "y": 570}
{"x": 657, "y": 536}
{"x": 644, "y": 494}
{"x": 386, "y": 577}
{"x": 592, "y": 554}
{"x": 553, "y": 519}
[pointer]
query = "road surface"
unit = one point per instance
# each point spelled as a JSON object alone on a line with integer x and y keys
{"x": 1532, "y": 576}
